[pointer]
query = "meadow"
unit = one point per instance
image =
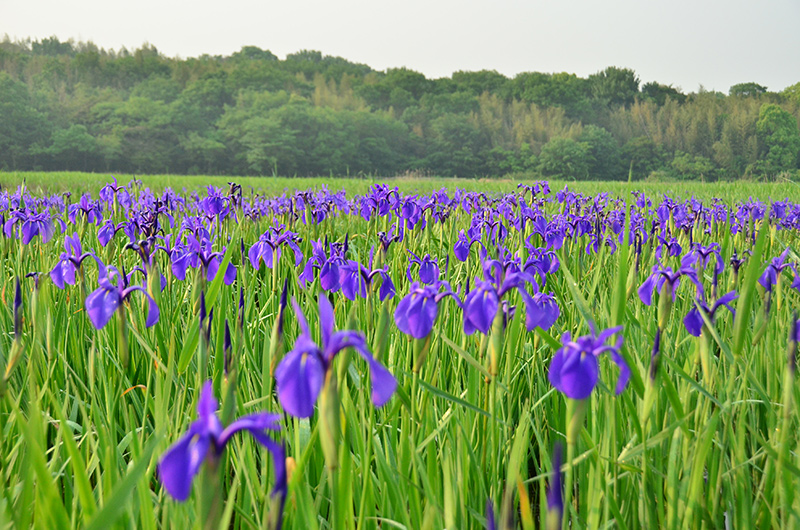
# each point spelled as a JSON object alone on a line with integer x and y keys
{"x": 182, "y": 352}
{"x": 77, "y": 182}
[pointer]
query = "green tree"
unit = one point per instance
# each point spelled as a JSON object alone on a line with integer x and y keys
{"x": 777, "y": 130}
{"x": 501, "y": 161}
{"x": 157, "y": 88}
{"x": 659, "y": 93}
{"x": 564, "y": 158}
{"x": 689, "y": 167}
{"x": 479, "y": 82}
{"x": 792, "y": 93}
{"x": 603, "y": 154}
{"x": 206, "y": 98}
{"x": 52, "y": 47}
{"x": 615, "y": 86}
{"x": 564, "y": 90}
{"x": 207, "y": 150}
{"x": 21, "y": 125}
{"x": 413, "y": 82}
{"x": 253, "y": 53}
{"x": 643, "y": 156}
{"x": 747, "y": 90}
{"x": 147, "y": 149}
{"x": 456, "y": 146}
{"x": 737, "y": 147}
{"x": 72, "y": 148}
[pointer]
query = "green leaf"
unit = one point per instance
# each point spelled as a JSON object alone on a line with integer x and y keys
{"x": 743, "y": 321}
{"x": 83, "y": 485}
{"x": 189, "y": 347}
{"x": 56, "y": 513}
{"x": 580, "y": 300}
{"x": 467, "y": 357}
{"x": 116, "y": 503}
{"x": 449, "y": 397}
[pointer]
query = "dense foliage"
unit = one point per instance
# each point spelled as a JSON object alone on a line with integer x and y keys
{"x": 227, "y": 359}
{"x": 73, "y": 106}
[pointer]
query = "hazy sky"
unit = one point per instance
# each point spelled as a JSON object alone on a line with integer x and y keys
{"x": 685, "y": 43}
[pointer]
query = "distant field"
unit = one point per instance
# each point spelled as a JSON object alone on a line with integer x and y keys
{"x": 75, "y": 182}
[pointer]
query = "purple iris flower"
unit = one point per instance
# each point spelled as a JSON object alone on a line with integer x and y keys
{"x": 103, "y": 302}
{"x": 301, "y": 373}
{"x": 539, "y": 186}
{"x": 33, "y": 224}
{"x": 327, "y": 262}
{"x": 216, "y": 204}
{"x": 480, "y": 307}
{"x": 268, "y": 247}
{"x": 416, "y": 313}
{"x": 774, "y": 270}
{"x": 428, "y": 268}
{"x": 35, "y": 276}
{"x": 705, "y": 252}
{"x": 198, "y": 253}
{"x": 541, "y": 262}
{"x": 481, "y": 304}
{"x": 659, "y": 276}
{"x": 206, "y": 439}
{"x": 736, "y": 263}
{"x": 694, "y": 321}
{"x": 463, "y": 245}
{"x": 574, "y": 370}
{"x": 672, "y": 246}
{"x": 700, "y": 255}
{"x": 71, "y": 261}
{"x": 411, "y": 212}
{"x": 387, "y": 239}
{"x": 93, "y": 211}
{"x": 145, "y": 249}
{"x": 542, "y": 310}
{"x": 355, "y": 279}
{"x": 109, "y": 192}
{"x": 107, "y": 232}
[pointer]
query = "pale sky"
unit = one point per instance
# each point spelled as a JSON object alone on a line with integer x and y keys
{"x": 685, "y": 43}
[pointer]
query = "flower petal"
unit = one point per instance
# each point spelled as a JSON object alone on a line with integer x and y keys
{"x": 299, "y": 376}
{"x": 181, "y": 463}
{"x": 575, "y": 374}
{"x": 101, "y": 304}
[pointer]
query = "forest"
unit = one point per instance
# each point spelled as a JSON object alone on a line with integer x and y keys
{"x": 75, "y": 106}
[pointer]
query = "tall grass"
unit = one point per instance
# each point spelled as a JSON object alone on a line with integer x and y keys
{"x": 710, "y": 442}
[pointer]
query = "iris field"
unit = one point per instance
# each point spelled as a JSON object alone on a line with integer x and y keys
{"x": 508, "y": 357}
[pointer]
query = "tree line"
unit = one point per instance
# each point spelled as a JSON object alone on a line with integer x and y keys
{"x": 74, "y": 106}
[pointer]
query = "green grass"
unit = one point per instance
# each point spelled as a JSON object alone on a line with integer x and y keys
{"x": 59, "y": 182}
{"x": 711, "y": 442}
